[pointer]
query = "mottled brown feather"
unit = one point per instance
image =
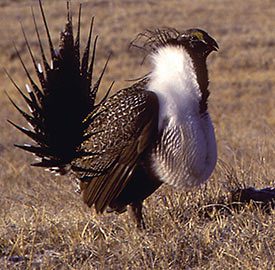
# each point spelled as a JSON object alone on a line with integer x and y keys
{"x": 122, "y": 148}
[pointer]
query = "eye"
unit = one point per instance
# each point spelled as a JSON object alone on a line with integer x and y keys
{"x": 194, "y": 38}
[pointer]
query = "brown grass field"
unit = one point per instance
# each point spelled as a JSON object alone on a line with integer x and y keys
{"x": 43, "y": 222}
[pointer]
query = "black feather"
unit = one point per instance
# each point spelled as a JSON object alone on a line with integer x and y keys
{"x": 65, "y": 97}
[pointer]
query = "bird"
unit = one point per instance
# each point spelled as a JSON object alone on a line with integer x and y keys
{"x": 122, "y": 148}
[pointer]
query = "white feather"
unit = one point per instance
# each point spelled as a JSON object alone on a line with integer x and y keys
{"x": 193, "y": 152}
{"x": 28, "y": 88}
{"x": 39, "y": 68}
{"x": 175, "y": 83}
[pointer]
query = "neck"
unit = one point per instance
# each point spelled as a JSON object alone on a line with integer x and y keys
{"x": 202, "y": 77}
{"x": 178, "y": 82}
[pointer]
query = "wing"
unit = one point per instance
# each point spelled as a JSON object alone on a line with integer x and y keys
{"x": 119, "y": 132}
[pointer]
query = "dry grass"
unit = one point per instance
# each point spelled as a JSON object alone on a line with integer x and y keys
{"x": 44, "y": 224}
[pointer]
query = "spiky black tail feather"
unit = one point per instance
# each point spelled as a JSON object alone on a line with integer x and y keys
{"x": 65, "y": 97}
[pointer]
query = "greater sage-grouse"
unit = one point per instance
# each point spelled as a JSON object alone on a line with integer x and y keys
{"x": 123, "y": 148}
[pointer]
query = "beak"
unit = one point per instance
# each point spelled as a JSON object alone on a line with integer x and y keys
{"x": 214, "y": 46}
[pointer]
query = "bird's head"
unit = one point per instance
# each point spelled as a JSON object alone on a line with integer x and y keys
{"x": 196, "y": 41}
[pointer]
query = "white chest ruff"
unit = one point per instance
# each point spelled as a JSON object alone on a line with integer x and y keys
{"x": 186, "y": 154}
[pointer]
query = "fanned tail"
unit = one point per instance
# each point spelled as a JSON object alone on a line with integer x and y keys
{"x": 64, "y": 98}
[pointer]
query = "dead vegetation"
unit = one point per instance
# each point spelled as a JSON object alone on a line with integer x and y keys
{"x": 44, "y": 224}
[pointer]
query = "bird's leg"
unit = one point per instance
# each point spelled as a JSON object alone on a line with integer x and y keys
{"x": 135, "y": 212}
